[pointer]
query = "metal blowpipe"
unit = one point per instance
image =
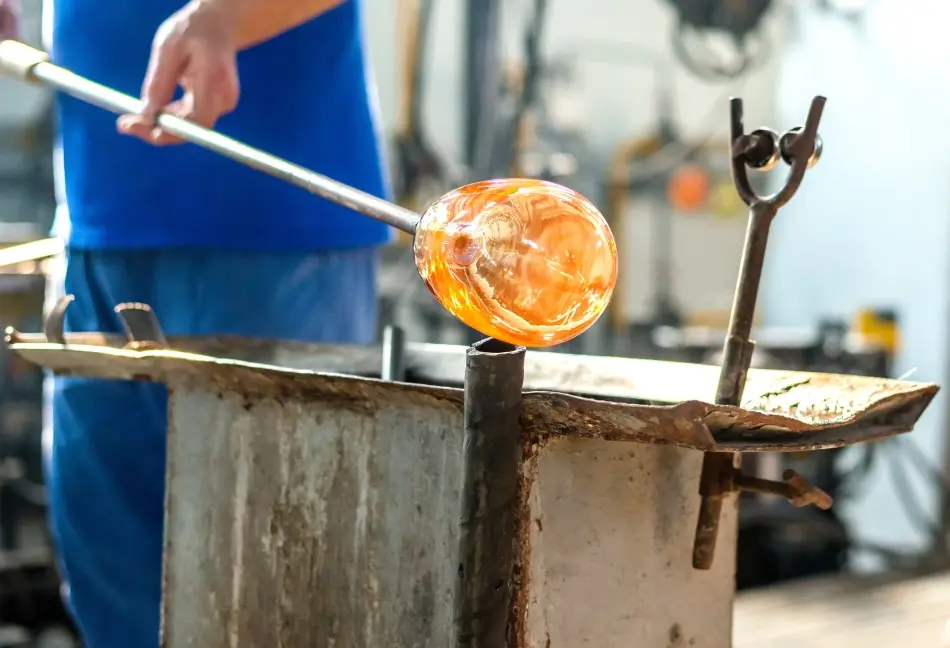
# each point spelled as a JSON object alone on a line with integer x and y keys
{"x": 26, "y": 63}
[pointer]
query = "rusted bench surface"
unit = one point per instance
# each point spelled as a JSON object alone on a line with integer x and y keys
{"x": 650, "y": 401}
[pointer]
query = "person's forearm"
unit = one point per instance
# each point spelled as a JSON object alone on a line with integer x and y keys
{"x": 261, "y": 20}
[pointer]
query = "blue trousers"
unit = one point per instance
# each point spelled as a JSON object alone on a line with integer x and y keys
{"x": 106, "y": 455}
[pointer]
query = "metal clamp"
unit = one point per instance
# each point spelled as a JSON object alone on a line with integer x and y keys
{"x": 800, "y": 148}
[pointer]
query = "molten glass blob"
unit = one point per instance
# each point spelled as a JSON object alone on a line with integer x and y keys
{"x": 524, "y": 261}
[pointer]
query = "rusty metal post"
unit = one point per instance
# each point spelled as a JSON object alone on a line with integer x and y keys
{"x": 492, "y": 497}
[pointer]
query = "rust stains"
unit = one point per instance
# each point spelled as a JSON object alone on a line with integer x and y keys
{"x": 782, "y": 411}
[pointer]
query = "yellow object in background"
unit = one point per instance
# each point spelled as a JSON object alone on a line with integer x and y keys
{"x": 724, "y": 200}
{"x": 878, "y": 328}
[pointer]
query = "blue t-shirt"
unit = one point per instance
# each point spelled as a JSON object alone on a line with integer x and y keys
{"x": 305, "y": 96}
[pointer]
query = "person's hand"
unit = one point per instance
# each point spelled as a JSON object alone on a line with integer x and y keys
{"x": 9, "y": 19}
{"x": 195, "y": 49}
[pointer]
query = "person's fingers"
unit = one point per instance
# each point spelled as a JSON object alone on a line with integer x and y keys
{"x": 206, "y": 71}
{"x": 180, "y": 108}
{"x": 229, "y": 87}
{"x": 144, "y": 128}
{"x": 212, "y": 86}
{"x": 9, "y": 20}
{"x": 203, "y": 90}
{"x": 201, "y": 104}
{"x": 165, "y": 68}
{"x": 212, "y": 90}
{"x": 136, "y": 126}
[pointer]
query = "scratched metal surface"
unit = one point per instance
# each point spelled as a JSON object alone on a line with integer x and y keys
{"x": 782, "y": 411}
{"x": 611, "y": 547}
{"x": 315, "y": 520}
{"x": 310, "y": 521}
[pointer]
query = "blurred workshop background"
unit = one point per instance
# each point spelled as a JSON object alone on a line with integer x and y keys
{"x": 626, "y": 101}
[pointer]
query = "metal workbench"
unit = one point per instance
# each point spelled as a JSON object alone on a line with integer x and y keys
{"x": 309, "y": 508}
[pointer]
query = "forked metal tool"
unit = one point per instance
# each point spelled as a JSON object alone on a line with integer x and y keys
{"x": 761, "y": 149}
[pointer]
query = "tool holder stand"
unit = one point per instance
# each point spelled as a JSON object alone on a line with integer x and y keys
{"x": 800, "y": 148}
{"x": 544, "y": 504}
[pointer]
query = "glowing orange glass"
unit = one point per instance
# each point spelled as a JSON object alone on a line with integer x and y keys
{"x": 524, "y": 261}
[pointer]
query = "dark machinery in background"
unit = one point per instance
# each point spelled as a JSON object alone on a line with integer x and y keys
{"x": 31, "y": 610}
{"x": 740, "y": 20}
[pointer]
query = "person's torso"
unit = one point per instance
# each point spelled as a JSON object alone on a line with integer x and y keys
{"x": 305, "y": 96}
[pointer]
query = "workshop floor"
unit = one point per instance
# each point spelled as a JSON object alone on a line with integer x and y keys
{"x": 847, "y": 613}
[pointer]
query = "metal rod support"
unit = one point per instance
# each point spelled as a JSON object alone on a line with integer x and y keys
{"x": 28, "y": 64}
{"x": 141, "y": 325}
{"x": 492, "y": 496}
{"x": 394, "y": 354}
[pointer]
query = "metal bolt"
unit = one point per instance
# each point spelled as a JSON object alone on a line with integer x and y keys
{"x": 796, "y": 489}
{"x": 759, "y": 149}
{"x": 786, "y": 146}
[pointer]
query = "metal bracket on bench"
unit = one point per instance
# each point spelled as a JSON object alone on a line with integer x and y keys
{"x": 141, "y": 326}
{"x": 54, "y": 324}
